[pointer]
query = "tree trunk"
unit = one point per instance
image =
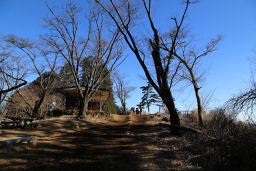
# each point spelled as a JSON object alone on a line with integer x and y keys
{"x": 199, "y": 106}
{"x": 38, "y": 105}
{"x": 148, "y": 108}
{"x": 169, "y": 102}
{"x": 124, "y": 108}
{"x": 0, "y": 98}
{"x": 83, "y": 107}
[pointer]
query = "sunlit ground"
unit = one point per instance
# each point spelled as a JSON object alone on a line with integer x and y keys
{"x": 117, "y": 143}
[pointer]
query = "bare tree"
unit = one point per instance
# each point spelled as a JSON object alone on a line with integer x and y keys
{"x": 100, "y": 45}
{"x": 123, "y": 14}
{"x": 22, "y": 102}
{"x": 40, "y": 60}
{"x": 11, "y": 72}
{"x": 189, "y": 57}
{"x": 244, "y": 103}
{"x": 122, "y": 90}
{"x": 207, "y": 99}
{"x": 12, "y": 83}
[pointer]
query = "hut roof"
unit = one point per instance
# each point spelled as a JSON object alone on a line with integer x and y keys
{"x": 101, "y": 94}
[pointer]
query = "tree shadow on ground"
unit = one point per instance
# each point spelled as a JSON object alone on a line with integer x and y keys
{"x": 94, "y": 146}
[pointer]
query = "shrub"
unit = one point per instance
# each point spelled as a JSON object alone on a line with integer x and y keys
{"x": 229, "y": 145}
{"x": 192, "y": 117}
{"x": 223, "y": 125}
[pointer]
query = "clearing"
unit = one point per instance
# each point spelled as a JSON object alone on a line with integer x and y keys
{"x": 115, "y": 143}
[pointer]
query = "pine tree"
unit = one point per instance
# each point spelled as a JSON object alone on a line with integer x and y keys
{"x": 149, "y": 96}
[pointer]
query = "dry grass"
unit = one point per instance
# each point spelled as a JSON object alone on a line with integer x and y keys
{"x": 138, "y": 118}
{"x": 97, "y": 144}
{"x": 227, "y": 144}
{"x": 193, "y": 117}
{"x": 123, "y": 142}
{"x": 119, "y": 118}
{"x": 134, "y": 119}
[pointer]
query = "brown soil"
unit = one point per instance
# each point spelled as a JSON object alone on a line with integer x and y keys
{"x": 98, "y": 144}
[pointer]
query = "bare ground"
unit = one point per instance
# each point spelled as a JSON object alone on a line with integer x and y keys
{"x": 98, "y": 144}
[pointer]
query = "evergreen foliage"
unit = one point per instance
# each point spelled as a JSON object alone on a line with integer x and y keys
{"x": 110, "y": 105}
{"x": 66, "y": 77}
{"x": 149, "y": 96}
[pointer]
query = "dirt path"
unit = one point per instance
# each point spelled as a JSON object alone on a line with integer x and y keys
{"x": 96, "y": 145}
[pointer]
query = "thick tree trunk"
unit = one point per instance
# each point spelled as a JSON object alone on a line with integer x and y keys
{"x": 38, "y": 105}
{"x": 169, "y": 102}
{"x": 199, "y": 106}
{"x": 83, "y": 107}
{"x": 124, "y": 108}
{"x": 123, "y": 104}
{"x": 148, "y": 108}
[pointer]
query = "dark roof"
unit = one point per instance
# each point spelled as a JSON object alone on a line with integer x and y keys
{"x": 101, "y": 94}
{"x": 75, "y": 87}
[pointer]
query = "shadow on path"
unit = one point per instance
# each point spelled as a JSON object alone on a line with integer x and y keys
{"x": 95, "y": 146}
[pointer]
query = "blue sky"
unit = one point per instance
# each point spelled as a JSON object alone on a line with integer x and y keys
{"x": 227, "y": 70}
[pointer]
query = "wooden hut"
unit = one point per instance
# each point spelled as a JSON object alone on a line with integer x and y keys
{"x": 73, "y": 100}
